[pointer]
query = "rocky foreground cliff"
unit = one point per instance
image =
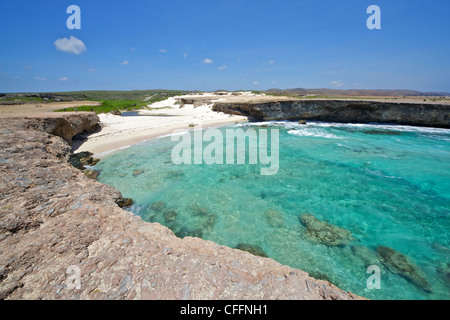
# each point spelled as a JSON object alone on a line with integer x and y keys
{"x": 57, "y": 224}
{"x": 346, "y": 111}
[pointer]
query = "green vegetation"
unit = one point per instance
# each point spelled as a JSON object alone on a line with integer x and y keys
{"x": 119, "y": 100}
{"x": 111, "y": 105}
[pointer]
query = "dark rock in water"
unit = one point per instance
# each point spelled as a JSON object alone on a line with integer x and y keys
{"x": 174, "y": 174}
{"x": 208, "y": 222}
{"x": 185, "y": 232}
{"x": 92, "y": 174}
{"x": 78, "y": 160}
{"x": 302, "y": 122}
{"x": 125, "y": 202}
{"x": 93, "y": 161}
{"x": 158, "y": 206}
{"x": 443, "y": 270}
{"x": 274, "y": 218}
{"x": 316, "y": 274}
{"x": 324, "y": 232}
{"x": 198, "y": 211}
{"x": 400, "y": 264}
{"x": 138, "y": 172}
{"x": 170, "y": 216}
{"x": 253, "y": 249}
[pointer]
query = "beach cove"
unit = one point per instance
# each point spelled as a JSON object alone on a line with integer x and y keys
{"x": 136, "y": 131}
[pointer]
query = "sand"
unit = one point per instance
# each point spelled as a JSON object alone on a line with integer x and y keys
{"x": 33, "y": 108}
{"x": 162, "y": 118}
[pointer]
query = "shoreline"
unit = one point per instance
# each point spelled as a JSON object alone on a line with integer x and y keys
{"x": 162, "y": 118}
{"x": 65, "y": 219}
{"x": 109, "y": 143}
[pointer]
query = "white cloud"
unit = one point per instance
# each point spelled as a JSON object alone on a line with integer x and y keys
{"x": 72, "y": 45}
{"x": 16, "y": 77}
{"x": 207, "y": 61}
{"x": 92, "y": 70}
{"x": 162, "y": 50}
{"x": 125, "y": 62}
{"x": 185, "y": 55}
{"x": 272, "y": 61}
{"x": 132, "y": 49}
{"x": 64, "y": 79}
{"x": 274, "y": 82}
{"x": 40, "y": 78}
{"x": 255, "y": 83}
{"x": 336, "y": 83}
{"x": 222, "y": 67}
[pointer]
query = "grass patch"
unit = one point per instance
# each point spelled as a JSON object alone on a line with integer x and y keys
{"x": 108, "y": 105}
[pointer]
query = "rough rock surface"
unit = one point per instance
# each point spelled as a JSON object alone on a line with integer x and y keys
{"x": 57, "y": 224}
{"x": 418, "y": 114}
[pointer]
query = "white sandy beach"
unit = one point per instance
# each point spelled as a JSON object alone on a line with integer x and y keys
{"x": 162, "y": 118}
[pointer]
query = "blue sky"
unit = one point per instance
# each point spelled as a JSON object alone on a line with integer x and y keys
{"x": 213, "y": 44}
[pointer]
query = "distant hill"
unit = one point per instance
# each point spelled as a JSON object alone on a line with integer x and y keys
{"x": 356, "y": 92}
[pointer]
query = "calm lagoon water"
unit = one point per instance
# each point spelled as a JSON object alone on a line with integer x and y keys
{"x": 388, "y": 185}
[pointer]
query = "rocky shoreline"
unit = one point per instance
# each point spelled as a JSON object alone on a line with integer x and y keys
{"x": 428, "y": 114}
{"x": 54, "y": 219}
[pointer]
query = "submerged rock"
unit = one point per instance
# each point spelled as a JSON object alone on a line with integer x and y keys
{"x": 198, "y": 211}
{"x": 138, "y": 172}
{"x": 208, "y": 222}
{"x": 92, "y": 174}
{"x": 170, "y": 216}
{"x": 443, "y": 270}
{"x": 185, "y": 232}
{"x": 253, "y": 249}
{"x": 316, "y": 274}
{"x": 274, "y": 218}
{"x": 325, "y": 232}
{"x": 174, "y": 174}
{"x": 158, "y": 206}
{"x": 400, "y": 264}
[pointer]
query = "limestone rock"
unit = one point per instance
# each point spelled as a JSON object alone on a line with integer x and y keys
{"x": 125, "y": 202}
{"x": 92, "y": 174}
{"x": 354, "y": 111}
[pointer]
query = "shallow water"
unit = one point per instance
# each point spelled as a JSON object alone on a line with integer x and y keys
{"x": 387, "y": 185}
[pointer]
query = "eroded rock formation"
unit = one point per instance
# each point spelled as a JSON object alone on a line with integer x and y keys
{"x": 347, "y": 111}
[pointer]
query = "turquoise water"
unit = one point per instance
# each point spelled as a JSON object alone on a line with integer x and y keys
{"x": 387, "y": 185}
